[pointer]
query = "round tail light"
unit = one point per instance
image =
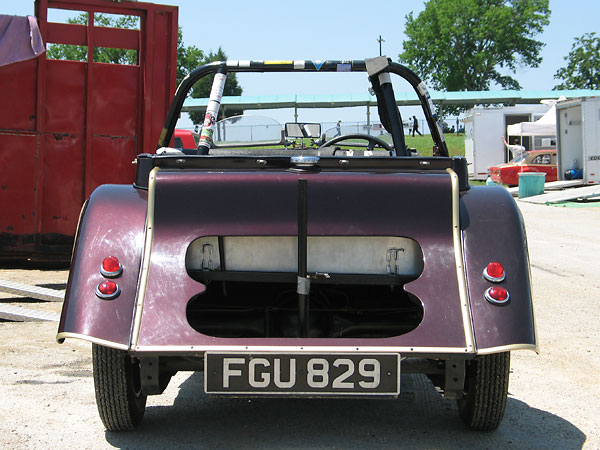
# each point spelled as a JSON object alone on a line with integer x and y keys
{"x": 494, "y": 272}
{"x": 497, "y": 295}
{"x": 111, "y": 267}
{"x": 108, "y": 290}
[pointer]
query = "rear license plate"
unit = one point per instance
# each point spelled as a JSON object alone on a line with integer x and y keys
{"x": 297, "y": 374}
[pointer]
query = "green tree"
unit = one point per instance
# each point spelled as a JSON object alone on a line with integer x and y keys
{"x": 188, "y": 57}
{"x": 466, "y": 45}
{"x": 583, "y": 64}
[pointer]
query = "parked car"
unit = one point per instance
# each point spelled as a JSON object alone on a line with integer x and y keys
{"x": 185, "y": 139}
{"x": 543, "y": 161}
{"x": 326, "y": 271}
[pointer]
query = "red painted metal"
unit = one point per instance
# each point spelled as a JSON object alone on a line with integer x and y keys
{"x": 67, "y": 127}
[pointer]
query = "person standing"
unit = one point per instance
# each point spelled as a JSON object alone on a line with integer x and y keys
{"x": 415, "y": 128}
{"x": 338, "y": 128}
{"x": 514, "y": 150}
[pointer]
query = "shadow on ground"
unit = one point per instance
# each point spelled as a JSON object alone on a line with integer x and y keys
{"x": 420, "y": 418}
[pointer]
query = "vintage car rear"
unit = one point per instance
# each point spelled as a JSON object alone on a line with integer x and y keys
{"x": 301, "y": 271}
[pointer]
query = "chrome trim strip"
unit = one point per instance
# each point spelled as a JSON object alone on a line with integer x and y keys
{"x": 60, "y": 337}
{"x": 460, "y": 267}
{"x": 491, "y": 299}
{"x": 117, "y": 273}
{"x": 492, "y": 279}
{"x": 305, "y": 161}
{"x": 108, "y": 296}
{"x": 507, "y": 348}
{"x": 143, "y": 280}
{"x": 296, "y": 349}
{"x": 83, "y": 208}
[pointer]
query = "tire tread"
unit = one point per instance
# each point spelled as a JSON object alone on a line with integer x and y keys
{"x": 484, "y": 403}
{"x": 118, "y": 406}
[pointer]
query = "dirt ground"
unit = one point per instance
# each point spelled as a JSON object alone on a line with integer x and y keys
{"x": 47, "y": 393}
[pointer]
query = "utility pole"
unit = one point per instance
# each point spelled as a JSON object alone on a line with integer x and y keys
{"x": 380, "y": 40}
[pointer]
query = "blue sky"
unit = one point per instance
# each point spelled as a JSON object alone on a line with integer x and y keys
{"x": 348, "y": 29}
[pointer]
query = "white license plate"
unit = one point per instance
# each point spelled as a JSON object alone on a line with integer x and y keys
{"x": 298, "y": 374}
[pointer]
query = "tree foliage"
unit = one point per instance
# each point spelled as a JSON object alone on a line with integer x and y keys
{"x": 459, "y": 45}
{"x": 188, "y": 57}
{"x": 583, "y": 64}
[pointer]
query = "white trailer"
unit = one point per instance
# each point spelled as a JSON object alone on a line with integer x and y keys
{"x": 484, "y": 128}
{"x": 578, "y": 128}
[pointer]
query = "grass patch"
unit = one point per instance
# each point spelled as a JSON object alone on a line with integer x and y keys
{"x": 424, "y": 144}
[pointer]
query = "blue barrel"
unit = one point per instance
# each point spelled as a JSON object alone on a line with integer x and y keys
{"x": 531, "y": 183}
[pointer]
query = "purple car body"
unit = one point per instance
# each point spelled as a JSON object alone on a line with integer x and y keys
{"x": 278, "y": 276}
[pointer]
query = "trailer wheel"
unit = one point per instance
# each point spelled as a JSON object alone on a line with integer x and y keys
{"x": 119, "y": 396}
{"x": 486, "y": 388}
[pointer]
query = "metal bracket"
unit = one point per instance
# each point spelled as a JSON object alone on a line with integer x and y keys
{"x": 303, "y": 286}
{"x": 209, "y": 264}
{"x": 149, "y": 375}
{"x": 391, "y": 256}
{"x": 454, "y": 383}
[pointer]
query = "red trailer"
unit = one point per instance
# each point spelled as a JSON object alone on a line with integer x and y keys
{"x": 67, "y": 127}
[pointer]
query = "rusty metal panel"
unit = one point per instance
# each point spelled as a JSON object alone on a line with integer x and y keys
{"x": 17, "y": 185}
{"x": 110, "y": 160}
{"x": 17, "y": 91}
{"x": 114, "y": 103}
{"x": 64, "y": 108}
{"x": 62, "y": 183}
{"x": 87, "y": 121}
{"x": 160, "y": 45}
{"x": 67, "y": 33}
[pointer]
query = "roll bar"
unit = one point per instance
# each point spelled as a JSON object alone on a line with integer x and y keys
{"x": 377, "y": 66}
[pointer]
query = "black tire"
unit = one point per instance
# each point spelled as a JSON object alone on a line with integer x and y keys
{"x": 120, "y": 402}
{"x": 486, "y": 388}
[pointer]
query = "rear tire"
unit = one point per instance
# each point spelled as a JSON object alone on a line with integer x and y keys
{"x": 119, "y": 396}
{"x": 486, "y": 388}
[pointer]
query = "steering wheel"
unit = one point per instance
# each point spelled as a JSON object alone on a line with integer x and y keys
{"x": 372, "y": 141}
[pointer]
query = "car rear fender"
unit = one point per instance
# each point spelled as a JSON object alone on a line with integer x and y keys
{"x": 111, "y": 224}
{"x": 493, "y": 230}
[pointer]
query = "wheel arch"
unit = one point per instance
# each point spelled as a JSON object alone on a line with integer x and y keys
{"x": 111, "y": 224}
{"x": 493, "y": 230}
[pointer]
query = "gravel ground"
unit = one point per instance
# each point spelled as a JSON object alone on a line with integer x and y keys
{"x": 48, "y": 396}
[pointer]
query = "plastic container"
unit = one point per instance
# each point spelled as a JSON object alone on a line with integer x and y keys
{"x": 531, "y": 183}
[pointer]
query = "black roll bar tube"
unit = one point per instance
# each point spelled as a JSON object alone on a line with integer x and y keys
{"x": 301, "y": 66}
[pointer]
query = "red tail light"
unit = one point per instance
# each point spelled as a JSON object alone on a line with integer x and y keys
{"x": 108, "y": 290}
{"x": 497, "y": 295}
{"x": 494, "y": 272}
{"x": 111, "y": 267}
